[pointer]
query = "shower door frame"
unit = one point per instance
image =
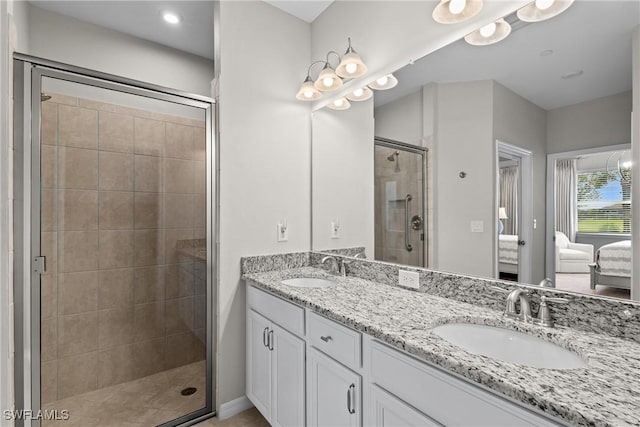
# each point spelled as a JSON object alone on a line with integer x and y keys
{"x": 28, "y": 74}
{"x": 413, "y": 149}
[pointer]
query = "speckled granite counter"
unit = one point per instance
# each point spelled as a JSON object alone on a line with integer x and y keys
{"x": 607, "y": 393}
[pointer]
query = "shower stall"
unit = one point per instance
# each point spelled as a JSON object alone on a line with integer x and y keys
{"x": 400, "y": 199}
{"x": 115, "y": 248}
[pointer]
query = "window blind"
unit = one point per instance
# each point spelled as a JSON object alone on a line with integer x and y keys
{"x": 604, "y": 202}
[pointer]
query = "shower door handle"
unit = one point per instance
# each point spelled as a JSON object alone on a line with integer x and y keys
{"x": 407, "y": 223}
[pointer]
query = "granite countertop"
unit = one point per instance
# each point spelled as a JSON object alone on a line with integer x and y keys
{"x": 606, "y": 393}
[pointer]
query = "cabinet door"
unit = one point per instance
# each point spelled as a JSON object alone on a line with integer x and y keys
{"x": 287, "y": 363}
{"x": 258, "y": 363}
{"x": 389, "y": 411}
{"x": 334, "y": 393}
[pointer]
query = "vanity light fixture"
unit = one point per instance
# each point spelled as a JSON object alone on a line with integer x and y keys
{"x": 385, "y": 82}
{"x": 349, "y": 66}
{"x": 360, "y": 94}
{"x": 339, "y": 104}
{"x": 489, "y": 34}
{"x": 456, "y": 11}
{"x": 539, "y": 10}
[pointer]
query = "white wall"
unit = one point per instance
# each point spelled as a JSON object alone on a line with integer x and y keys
{"x": 590, "y": 124}
{"x": 342, "y": 177}
{"x": 401, "y": 120}
{"x": 265, "y": 155}
{"x": 464, "y": 142}
{"x": 68, "y": 40}
{"x": 519, "y": 122}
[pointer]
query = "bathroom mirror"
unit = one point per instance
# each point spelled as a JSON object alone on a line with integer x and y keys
{"x": 558, "y": 86}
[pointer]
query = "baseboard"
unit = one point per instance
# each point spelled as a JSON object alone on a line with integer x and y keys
{"x": 233, "y": 407}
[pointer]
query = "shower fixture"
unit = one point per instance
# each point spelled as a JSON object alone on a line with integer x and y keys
{"x": 393, "y": 156}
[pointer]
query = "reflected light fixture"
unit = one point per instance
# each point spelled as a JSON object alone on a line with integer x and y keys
{"x": 489, "y": 34}
{"x": 339, "y": 104}
{"x": 171, "y": 18}
{"x": 539, "y": 10}
{"x": 360, "y": 94}
{"x": 385, "y": 82}
{"x": 351, "y": 65}
{"x": 456, "y": 11}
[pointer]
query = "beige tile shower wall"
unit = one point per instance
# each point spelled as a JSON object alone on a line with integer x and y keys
{"x": 123, "y": 202}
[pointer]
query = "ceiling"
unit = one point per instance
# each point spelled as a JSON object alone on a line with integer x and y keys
{"x": 592, "y": 36}
{"x": 143, "y": 19}
{"x": 307, "y": 10}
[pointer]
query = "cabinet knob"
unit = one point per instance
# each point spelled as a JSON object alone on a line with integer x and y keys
{"x": 326, "y": 338}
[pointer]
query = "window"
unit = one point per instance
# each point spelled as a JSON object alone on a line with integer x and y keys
{"x": 604, "y": 201}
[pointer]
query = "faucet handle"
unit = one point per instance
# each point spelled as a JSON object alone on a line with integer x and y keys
{"x": 544, "y": 314}
{"x": 544, "y": 298}
{"x": 499, "y": 289}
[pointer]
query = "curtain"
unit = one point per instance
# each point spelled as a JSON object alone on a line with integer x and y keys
{"x": 509, "y": 198}
{"x": 566, "y": 197}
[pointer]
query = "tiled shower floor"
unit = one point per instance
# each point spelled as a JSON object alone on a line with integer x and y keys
{"x": 148, "y": 401}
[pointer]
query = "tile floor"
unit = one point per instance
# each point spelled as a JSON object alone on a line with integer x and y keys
{"x": 148, "y": 401}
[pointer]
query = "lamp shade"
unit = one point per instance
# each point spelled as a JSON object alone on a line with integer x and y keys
{"x": 307, "y": 91}
{"x": 361, "y": 94}
{"x": 383, "y": 83}
{"x": 489, "y": 34}
{"x": 540, "y": 10}
{"x": 339, "y": 104}
{"x": 328, "y": 79}
{"x": 502, "y": 213}
{"x": 351, "y": 65}
{"x": 456, "y": 11}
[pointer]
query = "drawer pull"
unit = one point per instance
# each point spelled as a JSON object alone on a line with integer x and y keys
{"x": 326, "y": 338}
{"x": 351, "y": 392}
{"x": 265, "y": 337}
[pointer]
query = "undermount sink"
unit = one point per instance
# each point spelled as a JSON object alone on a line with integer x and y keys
{"x": 309, "y": 282}
{"x": 509, "y": 346}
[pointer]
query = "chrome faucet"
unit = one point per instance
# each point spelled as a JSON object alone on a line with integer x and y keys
{"x": 334, "y": 267}
{"x": 546, "y": 283}
{"x": 525, "y": 306}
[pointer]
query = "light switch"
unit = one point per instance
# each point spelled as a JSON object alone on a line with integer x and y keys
{"x": 283, "y": 231}
{"x": 477, "y": 226}
{"x": 335, "y": 229}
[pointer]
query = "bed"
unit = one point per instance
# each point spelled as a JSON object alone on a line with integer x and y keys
{"x": 612, "y": 266}
{"x": 508, "y": 253}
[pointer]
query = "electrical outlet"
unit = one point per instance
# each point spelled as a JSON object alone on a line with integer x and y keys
{"x": 283, "y": 231}
{"x": 409, "y": 279}
{"x": 335, "y": 229}
{"x": 477, "y": 226}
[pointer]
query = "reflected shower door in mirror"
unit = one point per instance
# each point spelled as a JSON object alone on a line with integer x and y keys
{"x": 399, "y": 203}
{"x": 559, "y": 85}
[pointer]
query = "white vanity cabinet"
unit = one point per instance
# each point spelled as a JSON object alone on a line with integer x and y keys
{"x": 297, "y": 358}
{"x": 275, "y": 360}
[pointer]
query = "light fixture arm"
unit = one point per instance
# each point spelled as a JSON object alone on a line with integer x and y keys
{"x": 336, "y": 54}
{"x": 349, "y": 48}
{"x": 310, "y": 66}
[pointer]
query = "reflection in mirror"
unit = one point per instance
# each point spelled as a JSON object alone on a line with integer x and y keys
{"x": 557, "y": 86}
{"x": 508, "y": 212}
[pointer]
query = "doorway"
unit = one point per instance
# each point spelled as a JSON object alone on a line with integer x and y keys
{"x": 400, "y": 190}
{"x": 115, "y": 300}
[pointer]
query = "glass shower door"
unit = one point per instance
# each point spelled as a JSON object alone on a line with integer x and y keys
{"x": 125, "y": 300}
{"x": 399, "y": 204}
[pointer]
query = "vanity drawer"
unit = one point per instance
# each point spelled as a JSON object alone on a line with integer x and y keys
{"x": 440, "y": 395}
{"x": 337, "y": 341}
{"x": 283, "y": 313}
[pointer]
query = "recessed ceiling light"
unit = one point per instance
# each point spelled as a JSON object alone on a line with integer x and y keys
{"x": 546, "y": 52}
{"x": 171, "y": 18}
{"x": 572, "y": 74}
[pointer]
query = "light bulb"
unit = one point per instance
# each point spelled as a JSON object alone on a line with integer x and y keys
{"x": 171, "y": 17}
{"x": 382, "y": 80}
{"x": 457, "y": 6}
{"x": 327, "y": 81}
{"x": 338, "y": 102}
{"x": 358, "y": 92}
{"x": 488, "y": 30}
{"x": 626, "y": 165}
{"x": 544, "y": 4}
{"x": 351, "y": 68}
{"x": 308, "y": 94}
